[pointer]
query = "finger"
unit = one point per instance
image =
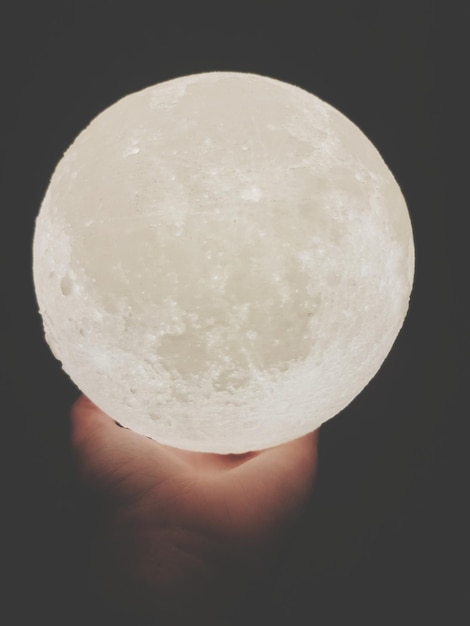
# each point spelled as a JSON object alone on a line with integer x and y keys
{"x": 94, "y": 439}
{"x": 89, "y": 425}
{"x": 102, "y": 447}
{"x": 298, "y": 452}
{"x": 272, "y": 488}
{"x": 292, "y": 465}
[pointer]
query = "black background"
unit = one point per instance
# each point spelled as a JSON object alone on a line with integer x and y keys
{"x": 384, "y": 538}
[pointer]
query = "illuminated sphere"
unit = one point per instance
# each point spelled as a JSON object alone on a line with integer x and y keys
{"x": 222, "y": 262}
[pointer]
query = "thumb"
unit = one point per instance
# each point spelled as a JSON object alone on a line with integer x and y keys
{"x": 94, "y": 437}
{"x": 105, "y": 452}
{"x": 91, "y": 429}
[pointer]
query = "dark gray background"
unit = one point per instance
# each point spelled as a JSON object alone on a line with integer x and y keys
{"x": 384, "y": 538}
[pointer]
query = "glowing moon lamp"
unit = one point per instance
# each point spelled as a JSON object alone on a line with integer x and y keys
{"x": 222, "y": 262}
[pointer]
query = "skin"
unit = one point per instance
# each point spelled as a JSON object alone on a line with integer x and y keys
{"x": 182, "y": 534}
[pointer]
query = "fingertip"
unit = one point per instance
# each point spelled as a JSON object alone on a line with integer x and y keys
{"x": 306, "y": 447}
{"x": 81, "y": 404}
{"x": 86, "y": 419}
{"x": 297, "y": 455}
{"x": 306, "y": 444}
{"x": 309, "y": 445}
{"x": 310, "y": 441}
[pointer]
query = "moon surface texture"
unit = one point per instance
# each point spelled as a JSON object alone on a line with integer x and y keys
{"x": 222, "y": 262}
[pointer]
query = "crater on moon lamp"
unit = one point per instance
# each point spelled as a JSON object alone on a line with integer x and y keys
{"x": 222, "y": 262}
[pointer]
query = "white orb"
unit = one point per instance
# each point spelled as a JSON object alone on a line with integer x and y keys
{"x": 222, "y": 262}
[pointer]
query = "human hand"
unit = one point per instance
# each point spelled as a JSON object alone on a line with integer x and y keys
{"x": 182, "y": 530}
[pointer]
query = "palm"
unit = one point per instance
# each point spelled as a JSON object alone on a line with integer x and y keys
{"x": 166, "y": 505}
